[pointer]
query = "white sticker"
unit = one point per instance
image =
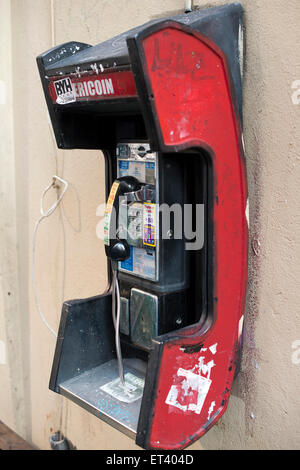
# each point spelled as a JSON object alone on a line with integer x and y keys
{"x": 65, "y": 91}
{"x": 131, "y": 391}
{"x": 191, "y": 393}
{"x": 213, "y": 348}
{"x": 143, "y": 262}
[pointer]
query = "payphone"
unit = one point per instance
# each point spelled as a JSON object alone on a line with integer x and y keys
{"x": 155, "y": 355}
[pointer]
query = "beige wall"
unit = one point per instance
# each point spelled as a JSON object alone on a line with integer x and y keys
{"x": 265, "y": 403}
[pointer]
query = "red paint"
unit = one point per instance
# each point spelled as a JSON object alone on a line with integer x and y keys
{"x": 96, "y": 87}
{"x": 192, "y": 98}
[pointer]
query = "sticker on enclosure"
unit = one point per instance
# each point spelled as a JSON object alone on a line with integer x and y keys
{"x": 65, "y": 91}
{"x": 189, "y": 394}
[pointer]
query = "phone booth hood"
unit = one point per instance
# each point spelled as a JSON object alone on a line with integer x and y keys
{"x": 176, "y": 83}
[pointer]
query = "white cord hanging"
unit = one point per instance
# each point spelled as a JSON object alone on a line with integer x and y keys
{"x": 44, "y": 215}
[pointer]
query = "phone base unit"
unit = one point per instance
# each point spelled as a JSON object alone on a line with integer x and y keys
{"x": 156, "y": 354}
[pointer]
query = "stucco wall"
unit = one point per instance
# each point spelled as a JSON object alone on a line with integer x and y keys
{"x": 70, "y": 262}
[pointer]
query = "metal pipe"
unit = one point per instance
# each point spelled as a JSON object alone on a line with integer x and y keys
{"x": 116, "y": 311}
{"x": 188, "y": 5}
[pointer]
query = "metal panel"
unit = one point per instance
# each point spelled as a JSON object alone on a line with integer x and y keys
{"x": 124, "y": 316}
{"x": 87, "y": 391}
{"x": 143, "y": 317}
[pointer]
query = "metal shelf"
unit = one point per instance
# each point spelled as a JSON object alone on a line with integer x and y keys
{"x": 100, "y": 392}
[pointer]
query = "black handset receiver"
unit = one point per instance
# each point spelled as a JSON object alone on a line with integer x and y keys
{"x": 115, "y": 248}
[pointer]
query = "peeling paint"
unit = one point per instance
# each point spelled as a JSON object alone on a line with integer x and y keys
{"x": 192, "y": 348}
{"x": 247, "y": 212}
{"x": 211, "y": 409}
{"x": 241, "y": 323}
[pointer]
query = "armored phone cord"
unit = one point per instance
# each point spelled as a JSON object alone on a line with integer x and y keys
{"x": 116, "y": 310}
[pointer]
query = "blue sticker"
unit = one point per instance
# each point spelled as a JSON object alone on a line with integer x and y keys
{"x": 150, "y": 166}
{"x": 123, "y": 164}
{"x": 128, "y": 263}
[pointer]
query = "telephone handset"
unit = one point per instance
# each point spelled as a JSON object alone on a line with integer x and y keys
{"x": 115, "y": 248}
